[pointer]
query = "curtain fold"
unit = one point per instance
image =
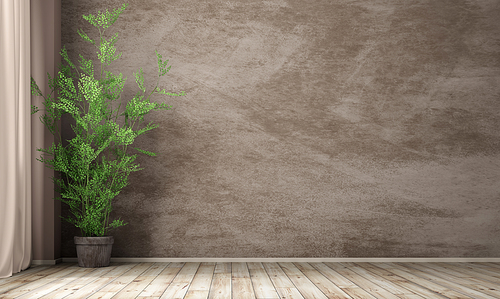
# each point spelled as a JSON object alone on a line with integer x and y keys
{"x": 15, "y": 137}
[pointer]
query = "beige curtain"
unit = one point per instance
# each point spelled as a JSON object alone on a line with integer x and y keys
{"x": 15, "y": 142}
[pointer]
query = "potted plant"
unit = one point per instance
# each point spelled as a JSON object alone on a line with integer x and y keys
{"x": 93, "y": 166}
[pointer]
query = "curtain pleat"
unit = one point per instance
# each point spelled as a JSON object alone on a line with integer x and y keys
{"x": 15, "y": 137}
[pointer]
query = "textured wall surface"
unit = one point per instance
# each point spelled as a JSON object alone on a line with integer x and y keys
{"x": 311, "y": 128}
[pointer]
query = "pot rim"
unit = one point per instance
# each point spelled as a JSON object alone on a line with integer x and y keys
{"x": 106, "y": 240}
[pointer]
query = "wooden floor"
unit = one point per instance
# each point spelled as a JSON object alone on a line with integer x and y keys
{"x": 257, "y": 280}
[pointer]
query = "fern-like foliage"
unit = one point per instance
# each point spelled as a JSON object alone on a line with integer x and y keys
{"x": 94, "y": 165}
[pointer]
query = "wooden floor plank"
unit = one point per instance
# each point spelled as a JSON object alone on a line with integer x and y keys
{"x": 262, "y": 285}
{"x": 17, "y": 281}
{"x": 486, "y": 274}
{"x": 342, "y": 282}
{"x": 196, "y": 294}
{"x": 221, "y": 282}
{"x": 158, "y": 286}
{"x": 289, "y": 293}
{"x": 203, "y": 278}
{"x": 301, "y": 282}
{"x": 393, "y": 288}
{"x": 200, "y": 286}
{"x": 133, "y": 289}
{"x": 443, "y": 290}
{"x": 449, "y": 282}
{"x": 398, "y": 280}
{"x": 102, "y": 281}
{"x": 56, "y": 284}
{"x": 23, "y": 275}
{"x": 284, "y": 286}
{"x": 75, "y": 285}
{"x": 469, "y": 281}
{"x": 42, "y": 280}
{"x": 256, "y": 280}
{"x": 177, "y": 289}
{"x": 488, "y": 265}
{"x": 115, "y": 286}
{"x": 278, "y": 277}
{"x": 328, "y": 288}
{"x": 241, "y": 282}
{"x": 369, "y": 286}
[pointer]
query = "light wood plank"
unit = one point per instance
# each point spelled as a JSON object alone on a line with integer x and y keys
{"x": 468, "y": 280}
{"x": 343, "y": 283}
{"x": 453, "y": 272}
{"x": 330, "y": 289}
{"x": 378, "y": 280}
{"x": 96, "y": 285}
{"x": 133, "y": 289}
{"x": 278, "y": 277}
{"x": 301, "y": 282}
{"x": 289, "y": 293}
{"x": 74, "y": 286}
{"x": 224, "y": 268}
{"x": 254, "y": 265}
{"x": 196, "y": 294}
{"x": 158, "y": 286}
{"x": 221, "y": 282}
{"x": 202, "y": 281}
{"x": 370, "y": 287}
{"x": 449, "y": 281}
{"x": 284, "y": 286}
{"x": 102, "y": 281}
{"x": 261, "y": 282}
{"x": 42, "y": 280}
{"x": 484, "y": 274}
{"x": 179, "y": 286}
{"x": 423, "y": 282}
{"x": 23, "y": 275}
{"x": 241, "y": 283}
{"x": 16, "y": 281}
{"x": 121, "y": 282}
{"x": 56, "y": 284}
{"x": 489, "y": 265}
{"x": 239, "y": 270}
{"x": 203, "y": 278}
{"x": 417, "y": 289}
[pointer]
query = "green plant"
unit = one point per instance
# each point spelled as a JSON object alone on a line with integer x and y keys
{"x": 95, "y": 164}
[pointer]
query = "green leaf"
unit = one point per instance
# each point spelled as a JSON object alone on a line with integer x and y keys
{"x": 34, "y": 109}
{"x": 64, "y": 55}
{"x": 85, "y": 36}
{"x": 182, "y": 93}
{"x": 139, "y": 79}
{"x": 34, "y": 88}
{"x": 87, "y": 66}
{"x": 145, "y": 152}
{"x": 162, "y": 69}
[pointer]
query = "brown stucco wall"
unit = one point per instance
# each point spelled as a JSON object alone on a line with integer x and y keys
{"x": 312, "y": 128}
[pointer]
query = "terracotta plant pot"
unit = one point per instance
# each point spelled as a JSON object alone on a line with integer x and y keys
{"x": 93, "y": 252}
